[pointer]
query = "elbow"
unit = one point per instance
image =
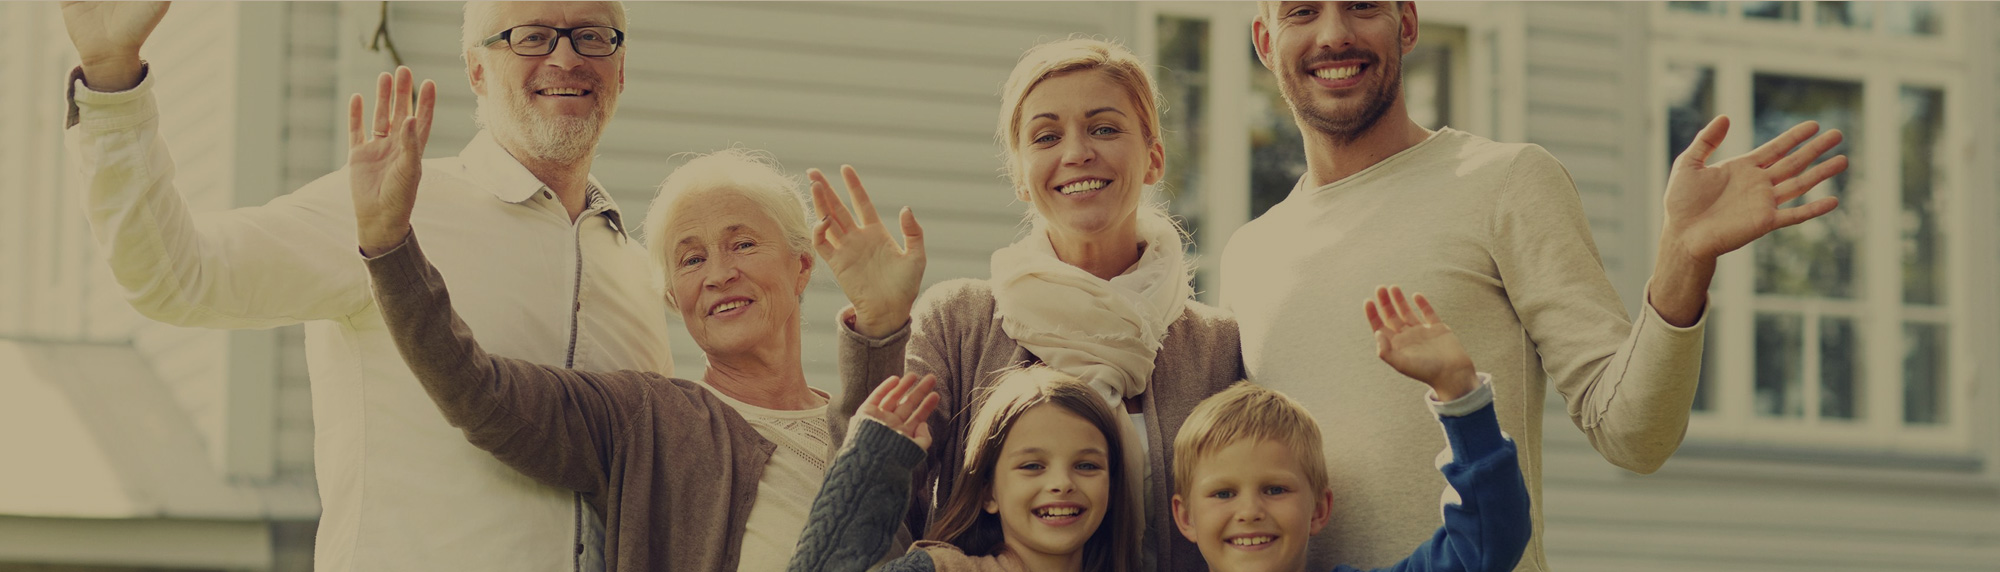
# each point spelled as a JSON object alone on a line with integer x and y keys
{"x": 1645, "y": 460}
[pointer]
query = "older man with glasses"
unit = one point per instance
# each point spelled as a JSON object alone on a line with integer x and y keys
{"x": 542, "y": 267}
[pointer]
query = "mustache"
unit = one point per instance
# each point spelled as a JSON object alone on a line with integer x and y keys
{"x": 552, "y": 78}
{"x": 1328, "y": 56}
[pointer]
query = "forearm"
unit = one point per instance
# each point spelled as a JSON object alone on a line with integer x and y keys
{"x": 1679, "y": 286}
{"x": 864, "y": 362}
{"x": 860, "y": 507}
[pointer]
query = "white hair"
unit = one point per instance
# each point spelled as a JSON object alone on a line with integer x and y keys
{"x": 754, "y": 175}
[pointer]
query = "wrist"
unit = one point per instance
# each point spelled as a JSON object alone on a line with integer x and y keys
{"x": 876, "y": 327}
{"x": 1456, "y": 383}
{"x": 112, "y": 74}
{"x": 375, "y": 244}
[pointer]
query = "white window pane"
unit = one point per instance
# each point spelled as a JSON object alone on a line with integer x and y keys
{"x": 1817, "y": 257}
{"x": 1788, "y": 11}
{"x": 1923, "y": 259}
{"x": 1910, "y": 18}
{"x": 1780, "y": 365}
{"x": 1924, "y": 374}
{"x": 1839, "y": 369}
{"x": 1852, "y": 15}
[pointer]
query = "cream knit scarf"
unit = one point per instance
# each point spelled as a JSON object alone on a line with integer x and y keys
{"x": 1105, "y": 333}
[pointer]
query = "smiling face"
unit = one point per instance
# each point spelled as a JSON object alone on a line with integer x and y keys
{"x": 1051, "y": 484}
{"x": 1249, "y": 508}
{"x": 1339, "y": 64}
{"x": 548, "y": 108}
{"x": 1083, "y": 156}
{"x": 734, "y": 279}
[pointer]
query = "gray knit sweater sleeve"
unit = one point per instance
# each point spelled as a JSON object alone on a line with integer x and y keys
{"x": 860, "y": 507}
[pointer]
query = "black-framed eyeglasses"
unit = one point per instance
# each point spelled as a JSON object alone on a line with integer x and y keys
{"x": 536, "y": 40}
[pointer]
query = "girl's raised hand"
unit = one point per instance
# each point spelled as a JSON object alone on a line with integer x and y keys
{"x": 904, "y": 403}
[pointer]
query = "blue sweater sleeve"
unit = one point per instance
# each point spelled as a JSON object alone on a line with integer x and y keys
{"x": 1488, "y": 529}
{"x": 859, "y": 508}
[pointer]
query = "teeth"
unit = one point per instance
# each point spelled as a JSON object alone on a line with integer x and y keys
{"x": 1336, "y": 73}
{"x": 729, "y": 306}
{"x": 1061, "y": 511}
{"x": 562, "y": 91}
{"x": 1082, "y": 186}
{"x": 1251, "y": 540}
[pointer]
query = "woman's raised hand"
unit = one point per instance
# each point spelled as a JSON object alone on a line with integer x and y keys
{"x": 386, "y": 160}
{"x": 904, "y": 403}
{"x": 1419, "y": 345}
{"x": 878, "y": 276}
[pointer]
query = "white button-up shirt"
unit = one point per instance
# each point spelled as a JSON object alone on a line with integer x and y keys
{"x": 399, "y": 488}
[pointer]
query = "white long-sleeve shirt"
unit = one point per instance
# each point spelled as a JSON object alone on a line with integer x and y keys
{"x": 399, "y": 488}
{"x": 1495, "y": 236}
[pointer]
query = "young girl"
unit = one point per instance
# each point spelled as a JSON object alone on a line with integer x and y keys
{"x": 1042, "y": 488}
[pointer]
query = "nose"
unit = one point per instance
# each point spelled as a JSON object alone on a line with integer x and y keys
{"x": 1077, "y": 151}
{"x": 1333, "y": 32}
{"x": 720, "y": 272}
{"x": 1249, "y": 509}
{"x": 565, "y": 57}
{"x": 1062, "y": 482}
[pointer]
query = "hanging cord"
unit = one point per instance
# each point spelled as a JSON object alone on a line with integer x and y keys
{"x": 382, "y": 38}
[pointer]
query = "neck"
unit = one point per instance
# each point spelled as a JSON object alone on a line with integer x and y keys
{"x": 1037, "y": 562}
{"x": 763, "y": 378}
{"x": 1104, "y": 254}
{"x": 569, "y": 181}
{"x": 1330, "y": 159}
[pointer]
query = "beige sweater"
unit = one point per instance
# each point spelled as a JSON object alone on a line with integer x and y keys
{"x": 954, "y": 335}
{"x": 1495, "y": 235}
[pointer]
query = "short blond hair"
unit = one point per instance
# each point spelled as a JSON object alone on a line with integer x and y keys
{"x": 1074, "y": 54}
{"x": 1247, "y": 411}
{"x": 753, "y": 174}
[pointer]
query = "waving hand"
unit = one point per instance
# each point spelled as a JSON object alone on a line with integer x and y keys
{"x": 386, "y": 161}
{"x": 879, "y": 277}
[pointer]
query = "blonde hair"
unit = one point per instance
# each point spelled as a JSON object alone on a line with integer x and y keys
{"x": 1074, "y": 54}
{"x": 753, "y": 174}
{"x": 482, "y": 20}
{"x": 1115, "y": 545}
{"x": 1243, "y": 412}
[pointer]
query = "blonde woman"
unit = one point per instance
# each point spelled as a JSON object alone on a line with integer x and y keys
{"x": 1098, "y": 290}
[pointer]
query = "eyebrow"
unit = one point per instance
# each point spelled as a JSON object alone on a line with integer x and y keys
{"x": 1091, "y": 113}
{"x": 731, "y": 229}
{"x": 1040, "y": 451}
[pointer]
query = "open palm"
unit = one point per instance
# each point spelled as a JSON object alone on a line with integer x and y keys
{"x": 904, "y": 403}
{"x": 878, "y": 276}
{"x": 1419, "y": 345}
{"x": 385, "y": 165}
{"x": 109, "y": 30}
{"x": 1714, "y": 209}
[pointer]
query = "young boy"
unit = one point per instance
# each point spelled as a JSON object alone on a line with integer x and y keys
{"x": 1252, "y": 480}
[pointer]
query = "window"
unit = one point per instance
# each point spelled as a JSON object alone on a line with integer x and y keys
{"x": 1233, "y": 149}
{"x": 1839, "y": 332}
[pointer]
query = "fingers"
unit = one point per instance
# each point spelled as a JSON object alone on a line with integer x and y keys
{"x": 918, "y": 418}
{"x": 914, "y": 398}
{"x": 1374, "y": 316}
{"x": 382, "y": 90}
{"x": 1403, "y": 309}
{"x": 898, "y": 384}
{"x": 1805, "y": 212}
{"x": 1705, "y": 142}
{"x": 1391, "y": 317}
{"x": 1430, "y": 313}
{"x": 400, "y": 108}
{"x": 1796, "y": 187}
{"x": 1790, "y": 166}
{"x": 426, "y": 108}
{"x": 829, "y": 205}
{"x": 913, "y": 234}
{"x": 864, "y": 208}
{"x": 877, "y": 397}
{"x": 1767, "y": 154}
{"x": 823, "y": 244}
{"x": 354, "y": 136}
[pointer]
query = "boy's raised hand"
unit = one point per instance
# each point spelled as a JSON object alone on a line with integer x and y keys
{"x": 1420, "y": 345}
{"x": 904, "y": 403}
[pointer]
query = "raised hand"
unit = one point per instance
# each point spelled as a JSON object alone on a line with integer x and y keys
{"x": 1419, "y": 345}
{"x": 385, "y": 164}
{"x": 904, "y": 403}
{"x": 1714, "y": 209}
{"x": 107, "y": 36}
{"x": 879, "y": 277}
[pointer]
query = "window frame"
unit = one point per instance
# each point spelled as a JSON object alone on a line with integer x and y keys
{"x": 1890, "y": 63}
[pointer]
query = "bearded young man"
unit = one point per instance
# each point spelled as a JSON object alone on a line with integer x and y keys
{"x": 1496, "y": 235}
{"x": 547, "y": 274}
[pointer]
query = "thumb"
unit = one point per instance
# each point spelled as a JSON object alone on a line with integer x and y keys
{"x": 913, "y": 234}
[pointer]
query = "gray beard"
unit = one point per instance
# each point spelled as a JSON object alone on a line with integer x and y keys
{"x": 1345, "y": 128}
{"x": 543, "y": 138}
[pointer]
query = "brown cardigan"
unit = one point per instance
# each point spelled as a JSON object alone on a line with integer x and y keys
{"x": 954, "y": 335}
{"x": 673, "y": 470}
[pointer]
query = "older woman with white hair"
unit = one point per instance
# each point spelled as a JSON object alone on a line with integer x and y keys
{"x": 712, "y": 475}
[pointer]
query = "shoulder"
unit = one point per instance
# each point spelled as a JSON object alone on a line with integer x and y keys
{"x": 957, "y": 300}
{"x": 1479, "y": 155}
{"x": 1207, "y": 322}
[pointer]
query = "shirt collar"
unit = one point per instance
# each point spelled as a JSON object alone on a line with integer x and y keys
{"x": 497, "y": 171}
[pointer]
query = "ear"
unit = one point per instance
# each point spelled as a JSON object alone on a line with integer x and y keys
{"x": 1156, "y": 163}
{"x": 1322, "y": 510}
{"x": 1260, "y": 38}
{"x": 1184, "y": 521}
{"x": 621, "y": 72}
{"x": 992, "y": 507}
{"x": 475, "y": 72}
{"x": 805, "y": 273}
{"x": 1408, "y": 33}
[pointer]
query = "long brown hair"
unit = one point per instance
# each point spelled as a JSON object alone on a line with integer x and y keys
{"x": 961, "y": 520}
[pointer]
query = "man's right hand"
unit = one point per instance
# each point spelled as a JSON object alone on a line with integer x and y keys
{"x": 386, "y": 160}
{"x": 107, "y": 37}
